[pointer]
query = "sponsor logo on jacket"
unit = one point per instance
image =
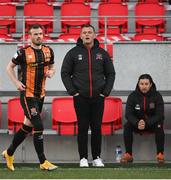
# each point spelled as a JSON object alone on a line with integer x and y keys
{"x": 152, "y": 105}
{"x": 99, "y": 56}
{"x": 137, "y": 107}
{"x": 80, "y": 57}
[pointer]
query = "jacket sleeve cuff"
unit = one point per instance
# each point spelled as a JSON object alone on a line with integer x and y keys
{"x": 105, "y": 94}
{"x": 73, "y": 92}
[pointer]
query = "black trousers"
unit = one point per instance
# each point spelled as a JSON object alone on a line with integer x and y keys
{"x": 29, "y": 104}
{"x": 156, "y": 129}
{"x": 89, "y": 113}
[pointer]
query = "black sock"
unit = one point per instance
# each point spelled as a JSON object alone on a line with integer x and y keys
{"x": 38, "y": 144}
{"x": 18, "y": 139}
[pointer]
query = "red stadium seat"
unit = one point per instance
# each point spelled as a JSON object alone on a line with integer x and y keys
{"x": 7, "y": 23}
{"x": 76, "y": 10}
{"x": 114, "y": 1}
{"x": 64, "y": 119}
{"x": 68, "y": 38}
{"x": 114, "y": 24}
{"x": 148, "y": 37}
{"x": 9, "y": 1}
{"x": 151, "y": 1}
{"x": 40, "y": 1}
{"x": 6, "y": 38}
{"x": 112, "y": 117}
{"x": 150, "y": 24}
{"x": 15, "y": 115}
{"x": 45, "y": 13}
{"x": 79, "y": 1}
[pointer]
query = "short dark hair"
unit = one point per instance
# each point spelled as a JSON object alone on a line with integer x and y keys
{"x": 35, "y": 26}
{"x": 88, "y": 25}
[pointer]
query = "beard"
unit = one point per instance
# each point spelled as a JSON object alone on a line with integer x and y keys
{"x": 37, "y": 43}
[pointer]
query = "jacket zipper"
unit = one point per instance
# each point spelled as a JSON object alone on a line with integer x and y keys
{"x": 144, "y": 104}
{"x": 90, "y": 71}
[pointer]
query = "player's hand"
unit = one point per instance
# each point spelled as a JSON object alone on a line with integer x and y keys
{"x": 20, "y": 86}
{"x": 141, "y": 124}
{"x": 77, "y": 94}
{"x": 102, "y": 95}
{"x": 49, "y": 73}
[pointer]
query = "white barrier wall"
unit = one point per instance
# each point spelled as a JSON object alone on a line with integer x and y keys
{"x": 130, "y": 60}
{"x": 134, "y": 59}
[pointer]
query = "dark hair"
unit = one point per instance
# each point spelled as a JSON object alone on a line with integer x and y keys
{"x": 146, "y": 76}
{"x": 88, "y": 25}
{"x": 35, "y": 26}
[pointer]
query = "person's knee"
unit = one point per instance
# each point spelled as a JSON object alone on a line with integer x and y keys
{"x": 37, "y": 122}
{"x": 26, "y": 129}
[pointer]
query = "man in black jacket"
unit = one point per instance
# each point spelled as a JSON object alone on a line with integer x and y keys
{"x": 144, "y": 112}
{"x": 88, "y": 75}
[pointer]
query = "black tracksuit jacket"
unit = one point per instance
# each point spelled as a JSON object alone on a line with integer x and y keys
{"x": 149, "y": 107}
{"x": 88, "y": 72}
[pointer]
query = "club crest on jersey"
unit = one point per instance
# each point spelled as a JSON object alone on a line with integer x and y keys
{"x": 98, "y": 56}
{"x": 80, "y": 57}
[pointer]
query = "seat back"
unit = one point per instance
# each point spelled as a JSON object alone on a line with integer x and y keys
{"x": 151, "y": 1}
{"x": 148, "y": 37}
{"x": 9, "y": 24}
{"x": 6, "y": 38}
{"x": 45, "y": 13}
{"x": 150, "y": 24}
{"x": 15, "y": 114}
{"x": 115, "y": 25}
{"x": 68, "y": 38}
{"x": 73, "y": 24}
{"x": 112, "y": 116}
{"x": 64, "y": 119}
{"x": 41, "y": 1}
{"x": 80, "y": 1}
{"x": 114, "y": 1}
{"x": 8, "y": 1}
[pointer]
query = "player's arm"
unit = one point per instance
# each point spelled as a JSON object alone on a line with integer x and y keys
{"x": 51, "y": 71}
{"x": 11, "y": 73}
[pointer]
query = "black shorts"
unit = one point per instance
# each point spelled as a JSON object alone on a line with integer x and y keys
{"x": 31, "y": 105}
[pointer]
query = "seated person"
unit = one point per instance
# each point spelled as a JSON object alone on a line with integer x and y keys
{"x": 144, "y": 112}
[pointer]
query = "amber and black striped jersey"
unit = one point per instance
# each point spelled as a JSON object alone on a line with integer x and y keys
{"x": 34, "y": 64}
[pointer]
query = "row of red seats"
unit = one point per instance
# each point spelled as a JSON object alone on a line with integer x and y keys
{"x": 51, "y": 1}
{"x": 64, "y": 119}
{"x": 105, "y": 42}
{"x": 71, "y": 20}
{"x": 110, "y": 39}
